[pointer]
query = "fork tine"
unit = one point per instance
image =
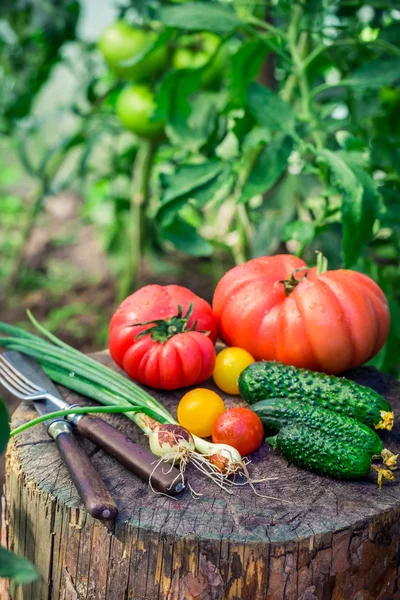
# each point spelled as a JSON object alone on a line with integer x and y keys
{"x": 10, "y": 387}
{"x": 18, "y": 375}
{"x": 14, "y": 381}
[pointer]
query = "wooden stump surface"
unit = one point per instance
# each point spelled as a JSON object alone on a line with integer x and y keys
{"x": 332, "y": 540}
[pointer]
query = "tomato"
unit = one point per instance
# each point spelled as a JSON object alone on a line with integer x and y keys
{"x": 135, "y": 108}
{"x": 164, "y": 336}
{"x": 239, "y": 427}
{"x": 198, "y": 410}
{"x": 120, "y": 42}
{"x": 278, "y": 309}
{"x": 196, "y": 51}
{"x": 184, "y": 58}
{"x": 228, "y": 366}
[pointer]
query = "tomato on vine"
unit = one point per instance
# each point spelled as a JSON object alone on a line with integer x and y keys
{"x": 229, "y": 363}
{"x": 198, "y": 410}
{"x": 135, "y": 108}
{"x": 121, "y": 42}
{"x": 196, "y": 51}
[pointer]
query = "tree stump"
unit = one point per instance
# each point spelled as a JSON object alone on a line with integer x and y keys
{"x": 333, "y": 540}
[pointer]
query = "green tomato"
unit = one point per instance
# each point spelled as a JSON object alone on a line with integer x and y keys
{"x": 135, "y": 108}
{"x": 198, "y": 51}
{"x": 184, "y": 58}
{"x": 120, "y": 42}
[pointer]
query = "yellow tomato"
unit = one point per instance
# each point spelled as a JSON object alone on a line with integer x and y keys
{"x": 228, "y": 366}
{"x": 198, "y": 410}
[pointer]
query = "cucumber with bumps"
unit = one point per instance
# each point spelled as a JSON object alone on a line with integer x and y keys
{"x": 279, "y": 412}
{"x": 269, "y": 379}
{"x": 312, "y": 450}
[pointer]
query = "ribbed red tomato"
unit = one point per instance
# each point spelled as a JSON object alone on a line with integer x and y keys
{"x": 164, "y": 336}
{"x": 278, "y": 309}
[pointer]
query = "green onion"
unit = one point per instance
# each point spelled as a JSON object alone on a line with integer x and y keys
{"x": 88, "y": 377}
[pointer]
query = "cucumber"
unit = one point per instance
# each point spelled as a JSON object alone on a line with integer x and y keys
{"x": 279, "y": 412}
{"x": 312, "y": 450}
{"x": 268, "y": 379}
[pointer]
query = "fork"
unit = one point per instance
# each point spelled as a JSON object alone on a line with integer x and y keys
{"x": 91, "y": 488}
{"x": 24, "y": 389}
{"x": 45, "y": 397}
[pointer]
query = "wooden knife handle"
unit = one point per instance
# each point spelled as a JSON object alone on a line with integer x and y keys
{"x": 96, "y": 498}
{"x": 133, "y": 456}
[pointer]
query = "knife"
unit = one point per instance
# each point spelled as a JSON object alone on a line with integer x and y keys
{"x": 131, "y": 455}
{"x": 92, "y": 490}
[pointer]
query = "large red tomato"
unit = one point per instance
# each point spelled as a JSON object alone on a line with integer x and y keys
{"x": 278, "y": 309}
{"x": 164, "y": 337}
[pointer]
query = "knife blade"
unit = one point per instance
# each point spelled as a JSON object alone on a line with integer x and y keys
{"x": 132, "y": 455}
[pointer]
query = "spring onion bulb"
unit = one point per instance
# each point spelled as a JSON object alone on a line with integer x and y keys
{"x": 86, "y": 376}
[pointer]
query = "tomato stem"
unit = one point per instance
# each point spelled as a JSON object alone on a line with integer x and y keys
{"x": 164, "y": 329}
{"x": 322, "y": 263}
{"x": 290, "y": 284}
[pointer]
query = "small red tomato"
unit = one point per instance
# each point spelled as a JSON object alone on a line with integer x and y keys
{"x": 239, "y": 427}
{"x": 163, "y": 336}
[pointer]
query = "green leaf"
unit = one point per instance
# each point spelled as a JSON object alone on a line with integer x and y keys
{"x": 185, "y": 238}
{"x": 200, "y": 182}
{"x": 300, "y": 231}
{"x": 16, "y": 568}
{"x": 376, "y": 73}
{"x": 200, "y": 16}
{"x": 269, "y": 166}
{"x": 391, "y": 34}
{"x": 159, "y": 41}
{"x": 281, "y": 209}
{"x": 188, "y": 121}
{"x": 269, "y": 109}
{"x": 246, "y": 64}
{"x": 361, "y": 203}
{"x": 4, "y": 427}
{"x": 387, "y": 359}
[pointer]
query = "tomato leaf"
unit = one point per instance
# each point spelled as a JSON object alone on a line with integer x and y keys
{"x": 198, "y": 182}
{"x": 269, "y": 109}
{"x": 186, "y": 238}
{"x": 189, "y": 122}
{"x": 387, "y": 359}
{"x": 376, "y": 73}
{"x": 361, "y": 203}
{"x": 4, "y": 426}
{"x": 200, "y": 16}
{"x": 245, "y": 65}
{"x": 269, "y": 166}
{"x": 300, "y": 231}
{"x": 159, "y": 41}
{"x": 16, "y": 568}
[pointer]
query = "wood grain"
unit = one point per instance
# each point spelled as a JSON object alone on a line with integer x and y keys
{"x": 334, "y": 540}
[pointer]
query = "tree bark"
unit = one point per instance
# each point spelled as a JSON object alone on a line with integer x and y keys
{"x": 334, "y": 540}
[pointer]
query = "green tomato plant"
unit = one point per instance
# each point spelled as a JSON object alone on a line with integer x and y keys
{"x": 250, "y": 128}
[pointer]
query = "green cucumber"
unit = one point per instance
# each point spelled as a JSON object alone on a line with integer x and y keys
{"x": 268, "y": 379}
{"x": 312, "y": 450}
{"x": 279, "y": 412}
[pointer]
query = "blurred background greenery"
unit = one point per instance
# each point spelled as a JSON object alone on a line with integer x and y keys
{"x": 146, "y": 141}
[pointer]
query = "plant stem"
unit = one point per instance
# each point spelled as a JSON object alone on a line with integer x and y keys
{"x": 297, "y": 46}
{"x": 139, "y": 198}
{"x": 245, "y": 234}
